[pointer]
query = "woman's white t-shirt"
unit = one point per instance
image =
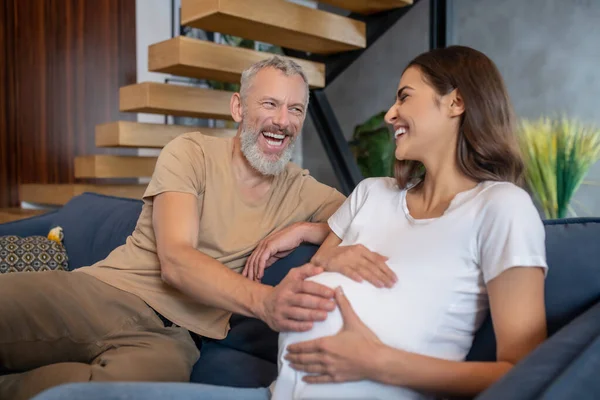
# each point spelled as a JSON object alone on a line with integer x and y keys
{"x": 442, "y": 264}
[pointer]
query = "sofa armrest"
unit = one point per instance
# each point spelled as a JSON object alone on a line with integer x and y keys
{"x": 580, "y": 379}
{"x": 34, "y": 226}
{"x": 534, "y": 375}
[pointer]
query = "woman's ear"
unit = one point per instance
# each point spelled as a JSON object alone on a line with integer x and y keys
{"x": 456, "y": 105}
{"x": 236, "y": 107}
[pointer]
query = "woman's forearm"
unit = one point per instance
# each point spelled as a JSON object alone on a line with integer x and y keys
{"x": 434, "y": 375}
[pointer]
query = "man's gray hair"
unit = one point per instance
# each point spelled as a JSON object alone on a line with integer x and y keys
{"x": 285, "y": 65}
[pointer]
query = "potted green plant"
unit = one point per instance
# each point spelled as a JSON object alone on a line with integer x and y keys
{"x": 557, "y": 154}
{"x": 373, "y": 147}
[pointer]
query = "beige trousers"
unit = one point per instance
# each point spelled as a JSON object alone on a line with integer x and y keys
{"x": 58, "y": 327}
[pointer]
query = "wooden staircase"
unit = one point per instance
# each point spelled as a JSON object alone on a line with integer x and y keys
{"x": 138, "y": 134}
{"x": 277, "y": 22}
{"x": 368, "y": 6}
{"x": 201, "y": 59}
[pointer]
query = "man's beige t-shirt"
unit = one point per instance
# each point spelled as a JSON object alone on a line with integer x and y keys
{"x": 229, "y": 228}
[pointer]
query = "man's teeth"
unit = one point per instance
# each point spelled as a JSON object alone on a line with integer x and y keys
{"x": 399, "y": 132}
{"x": 274, "y": 135}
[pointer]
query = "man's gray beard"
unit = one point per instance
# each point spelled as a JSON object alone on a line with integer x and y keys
{"x": 257, "y": 159}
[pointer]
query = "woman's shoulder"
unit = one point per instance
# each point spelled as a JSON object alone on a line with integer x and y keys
{"x": 505, "y": 197}
{"x": 379, "y": 185}
{"x": 501, "y": 192}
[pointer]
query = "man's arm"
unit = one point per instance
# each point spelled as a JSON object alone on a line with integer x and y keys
{"x": 292, "y": 305}
{"x": 314, "y": 232}
{"x": 321, "y": 201}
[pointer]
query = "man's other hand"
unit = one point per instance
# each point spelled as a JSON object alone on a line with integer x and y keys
{"x": 272, "y": 248}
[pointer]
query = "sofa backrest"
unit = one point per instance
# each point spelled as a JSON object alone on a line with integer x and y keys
{"x": 572, "y": 284}
{"x": 94, "y": 225}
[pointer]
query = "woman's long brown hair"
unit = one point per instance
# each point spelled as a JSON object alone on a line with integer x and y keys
{"x": 487, "y": 147}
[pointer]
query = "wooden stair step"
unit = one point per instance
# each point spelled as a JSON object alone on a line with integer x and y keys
{"x": 201, "y": 59}
{"x": 277, "y": 22}
{"x": 185, "y": 101}
{"x": 138, "y": 134}
{"x": 61, "y": 193}
{"x": 109, "y": 166}
{"x": 368, "y": 6}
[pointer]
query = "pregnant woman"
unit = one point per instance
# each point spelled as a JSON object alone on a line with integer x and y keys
{"x": 460, "y": 236}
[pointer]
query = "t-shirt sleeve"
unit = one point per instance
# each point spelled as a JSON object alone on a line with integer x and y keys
{"x": 180, "y": 168}
{"x": 340, "y": 221}
{"x": 332, "y": 201}
{"x": 512, "y": 233}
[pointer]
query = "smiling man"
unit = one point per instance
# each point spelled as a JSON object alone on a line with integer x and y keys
{"x": 211, "y": 202}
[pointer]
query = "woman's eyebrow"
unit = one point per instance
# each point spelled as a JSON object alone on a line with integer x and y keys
{"x": 401, "y": 90}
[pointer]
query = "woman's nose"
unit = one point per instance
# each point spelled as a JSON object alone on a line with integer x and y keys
{"x": 391, "y": 115}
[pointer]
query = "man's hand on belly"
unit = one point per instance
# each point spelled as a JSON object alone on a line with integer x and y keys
{"x": 295, "y": 304}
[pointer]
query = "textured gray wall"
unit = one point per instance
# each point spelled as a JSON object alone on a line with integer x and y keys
{"x": 548, "y": 52}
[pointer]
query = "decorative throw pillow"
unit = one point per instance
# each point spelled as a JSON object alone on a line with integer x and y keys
{"x": 32, "y": 253}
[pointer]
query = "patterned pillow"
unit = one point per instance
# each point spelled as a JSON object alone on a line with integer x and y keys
{"x": 32, "y": 253}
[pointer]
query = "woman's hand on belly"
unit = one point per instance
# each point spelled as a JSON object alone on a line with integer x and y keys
{"x": 357, "y": 263}
{"x": 345, "y": 356}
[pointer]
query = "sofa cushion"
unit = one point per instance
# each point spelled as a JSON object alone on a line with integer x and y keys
{"x": 30, "y": 254}
{"x": 224, "y": 366}
{"x": 572, "y": 284}
{"x": 94, "y": 225}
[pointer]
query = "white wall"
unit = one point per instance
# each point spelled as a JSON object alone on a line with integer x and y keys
{"x": 152, "y": 25}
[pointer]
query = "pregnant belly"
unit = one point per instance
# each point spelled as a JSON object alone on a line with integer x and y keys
{"x": 380, "y": 310}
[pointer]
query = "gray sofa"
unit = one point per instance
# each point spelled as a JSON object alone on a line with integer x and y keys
{"x": 94, "y": 225}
